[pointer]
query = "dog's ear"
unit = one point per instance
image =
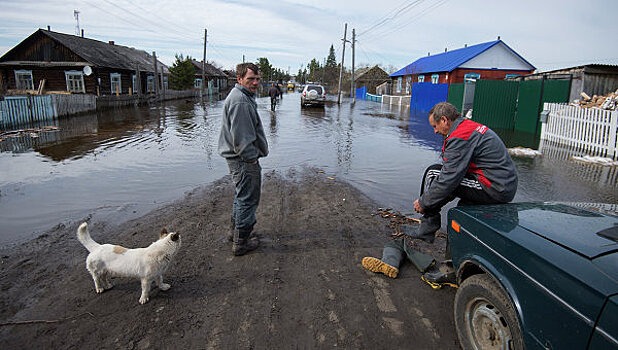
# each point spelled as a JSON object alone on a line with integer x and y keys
{"x": 163, "y": 233}
{"x": 175, "y": 236}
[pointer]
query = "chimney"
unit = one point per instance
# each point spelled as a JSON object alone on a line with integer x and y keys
{"x": 82, "y": 33}
{"x": 48, "y": 28}
{"x": 445, "y": 49}
{"x": 498, "y": 37}
{"x": 111, "y": 42}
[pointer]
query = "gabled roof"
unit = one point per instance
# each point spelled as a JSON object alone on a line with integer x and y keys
{"x": 362, "y": 71}
{"x": 451, "y": 60}
{"x": 210, "y": 70}
{"x": 98, "y": 53}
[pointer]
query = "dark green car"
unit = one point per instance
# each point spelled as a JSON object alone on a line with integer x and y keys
{"x": 535, "y": 276}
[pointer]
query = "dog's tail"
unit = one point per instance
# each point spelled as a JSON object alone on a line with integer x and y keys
{"x": 84, "y": 237}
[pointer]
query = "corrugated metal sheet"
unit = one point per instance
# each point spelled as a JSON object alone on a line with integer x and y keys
{"x": 426, "y": 95}
{"x": 495, "y": 102}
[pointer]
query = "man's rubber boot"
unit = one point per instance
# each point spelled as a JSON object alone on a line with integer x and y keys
{"x": 440, "y": 275}
{"x": 230, "y": 234}
{"x": 242, "y": 243}
{"x": 376, "y": 265}
{"x": 426, "y": 231}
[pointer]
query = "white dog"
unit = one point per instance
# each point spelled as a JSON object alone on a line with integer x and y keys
{"x": 148, "y": 264}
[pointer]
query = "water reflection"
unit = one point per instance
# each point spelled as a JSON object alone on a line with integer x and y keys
{"x": 122, "y": 163}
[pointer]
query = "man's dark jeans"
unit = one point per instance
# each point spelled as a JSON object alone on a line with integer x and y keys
{"x": 247, "y": 178}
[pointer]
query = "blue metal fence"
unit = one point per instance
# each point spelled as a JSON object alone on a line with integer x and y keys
{"x": 426, "y": 95}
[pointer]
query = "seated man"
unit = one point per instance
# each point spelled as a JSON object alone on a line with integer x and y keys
{"x": 476, "y": 168}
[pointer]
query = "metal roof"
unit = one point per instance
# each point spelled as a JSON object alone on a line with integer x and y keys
{"x": 450, "y": 60}
{"x": 101, "y": 54}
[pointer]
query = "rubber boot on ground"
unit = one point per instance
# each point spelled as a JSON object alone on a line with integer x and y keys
{"x": 391, "y": 258}
{"x": 242, "y": 243}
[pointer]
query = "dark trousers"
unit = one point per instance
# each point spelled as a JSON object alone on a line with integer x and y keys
{"x": 469, "y": 191}
{"x": 248, "y": 182}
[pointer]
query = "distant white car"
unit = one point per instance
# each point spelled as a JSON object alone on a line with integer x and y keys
{"x": 313, "y": 94}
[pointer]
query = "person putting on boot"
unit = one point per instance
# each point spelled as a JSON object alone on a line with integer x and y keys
{"x": 476, "y": 167}
{"x": 242, "y": 142}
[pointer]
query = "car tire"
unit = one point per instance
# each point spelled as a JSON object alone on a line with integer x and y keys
{"x": 485, "y": 317}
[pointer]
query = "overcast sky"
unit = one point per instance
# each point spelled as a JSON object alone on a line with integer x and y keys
{"x": 550, "y": 34}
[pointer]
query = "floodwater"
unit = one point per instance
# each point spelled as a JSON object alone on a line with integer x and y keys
{"x": 119, "y": 164}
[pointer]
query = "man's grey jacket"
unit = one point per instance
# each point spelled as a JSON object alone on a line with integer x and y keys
{"x": 242, "y": 134}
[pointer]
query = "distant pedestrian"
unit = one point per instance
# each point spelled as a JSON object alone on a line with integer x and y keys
{"x": 242, "y": 142}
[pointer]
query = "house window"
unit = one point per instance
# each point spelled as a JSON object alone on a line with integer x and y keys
{"x": 435, "y": 78}
{"x": 472, "y": 76}
{"x": 150, "y": 84}
{"x": 23, "y": 80}
{"x": 134, "y": 82}
{"x": 421, "y": 78}
{"x": 399, "y": 83}
{"x": 408, "y": 84}
{"x": 165, "y": 85}
{"x": 75, "y": 81}
{"x": 115, "y": 80}
{"x": 510, "y": 76}
{"x": 197, "y": 83}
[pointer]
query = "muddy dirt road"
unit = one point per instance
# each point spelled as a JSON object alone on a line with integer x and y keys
{"x": 304, "y": 288}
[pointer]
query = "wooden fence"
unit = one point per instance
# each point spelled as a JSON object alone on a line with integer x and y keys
{"x": 586, "y": 131}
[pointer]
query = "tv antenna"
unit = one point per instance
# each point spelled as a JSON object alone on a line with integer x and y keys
{"x": 76, "y": 15}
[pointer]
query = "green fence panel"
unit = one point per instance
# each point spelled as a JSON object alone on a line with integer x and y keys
{"x": 556, "y": 91}
{"x": 495, "y": 102}
{"x": 528, "y": 105}
{"x": 532, "y": 95}
{"x": 455, "y": 95}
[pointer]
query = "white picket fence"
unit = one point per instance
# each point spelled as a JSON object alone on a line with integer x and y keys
{"x": 586, "y": 131}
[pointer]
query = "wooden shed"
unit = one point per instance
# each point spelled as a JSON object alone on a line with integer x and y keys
{"x": 371, "y": 78}
{"x": 52, "y": 61}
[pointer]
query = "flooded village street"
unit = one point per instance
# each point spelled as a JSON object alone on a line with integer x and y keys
{"x": 122, "y": 163}
{"x": 131, "y": 171}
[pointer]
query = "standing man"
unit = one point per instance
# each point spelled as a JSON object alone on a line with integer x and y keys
{"x": 242, "y": 142}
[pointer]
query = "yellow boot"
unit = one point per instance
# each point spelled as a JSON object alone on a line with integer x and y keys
{"x": 377, "y": 265}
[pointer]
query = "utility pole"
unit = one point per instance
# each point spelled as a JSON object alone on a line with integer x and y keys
{"x": 345, "y": 30}
{"x": 204, "y": 67}
{"x": 353, "y": 83}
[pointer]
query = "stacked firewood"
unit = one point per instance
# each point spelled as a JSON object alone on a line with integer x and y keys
{"x": 608, "y": 101}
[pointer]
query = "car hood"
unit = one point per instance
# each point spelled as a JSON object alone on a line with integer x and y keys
{"x": 590, "y": 234}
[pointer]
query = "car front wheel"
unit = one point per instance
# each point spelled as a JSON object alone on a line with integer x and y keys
{"x": 485, "y": 317}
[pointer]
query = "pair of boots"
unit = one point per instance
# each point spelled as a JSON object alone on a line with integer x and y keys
{"x": 243, "y": 240}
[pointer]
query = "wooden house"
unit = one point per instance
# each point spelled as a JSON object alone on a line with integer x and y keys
{"x": 492, "y": 60}
{"x": 217, "y": 80}
{"x": 371, "y": 78}
{"x": 51, "y": 61}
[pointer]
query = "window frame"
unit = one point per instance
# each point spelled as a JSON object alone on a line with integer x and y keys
{"x": 115, "y": 79}
{"x": 19, "y": 82}
{"x": 435, "y": 78}
{"x": 75, "y": 76}
{"x": 421, "y": 78}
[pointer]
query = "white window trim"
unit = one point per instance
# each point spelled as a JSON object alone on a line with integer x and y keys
{"x": 399, "y": 83}
{"x": 21, "y": 72}
{"x": 75, "y": 73}
{"x": 421, "y": 78}
{"x": 112, "y": 76}
{"x": 435, "y": 78}
{"x": 150, "y": 84}
{"x": 408, "y": 84}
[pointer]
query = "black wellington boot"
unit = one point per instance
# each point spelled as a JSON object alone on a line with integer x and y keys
{"x": 243, "y": 243}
